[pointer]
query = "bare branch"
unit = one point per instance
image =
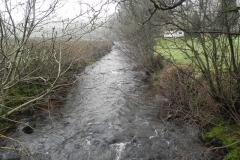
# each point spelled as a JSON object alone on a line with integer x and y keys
{"x": 163, "y": 6}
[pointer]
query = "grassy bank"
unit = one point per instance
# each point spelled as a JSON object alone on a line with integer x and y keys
{"x": 184, "y": 51}
{"x": 184, "y": 84}
{"x": 44, "y": 61}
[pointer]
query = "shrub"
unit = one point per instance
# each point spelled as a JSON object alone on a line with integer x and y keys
{"x": 188, "y": 98}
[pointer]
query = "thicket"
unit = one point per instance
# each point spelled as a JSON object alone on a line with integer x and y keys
{"x": 75, "y": 56}
{"x": 139, "y": 39}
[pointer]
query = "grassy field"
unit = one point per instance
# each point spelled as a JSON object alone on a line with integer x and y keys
{"x": 184, "y": 52}
{"x": 171, "y": 49}
{"x": 180, "y": 89}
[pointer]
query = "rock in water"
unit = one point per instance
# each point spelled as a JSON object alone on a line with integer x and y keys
{"x": 29, "y": 128}
{"x": 169, "y": 117}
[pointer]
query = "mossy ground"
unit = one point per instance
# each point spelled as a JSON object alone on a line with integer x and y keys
{"x": 227, "y": 136}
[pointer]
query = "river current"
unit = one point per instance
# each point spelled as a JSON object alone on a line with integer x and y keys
{"x": 109, "y": 115}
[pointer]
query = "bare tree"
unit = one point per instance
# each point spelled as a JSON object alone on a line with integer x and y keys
{"x": 211, "y": 38}
{"x": 27, "y": 60}
{"x": 141, "y": 38}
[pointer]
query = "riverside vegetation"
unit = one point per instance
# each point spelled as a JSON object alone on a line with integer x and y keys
{"x": 75, "y": 57}
{"x": 183, "y": 83}
{"x": 199, "y": 72}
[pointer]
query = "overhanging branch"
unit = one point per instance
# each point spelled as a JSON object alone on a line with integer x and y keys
{"x": 162, "y": 6}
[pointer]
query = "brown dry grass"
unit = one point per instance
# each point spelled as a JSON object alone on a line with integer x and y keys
{"x": 40, "y": 58}
{"x": 188, "y": 99}
{"x": 75, "y": 53}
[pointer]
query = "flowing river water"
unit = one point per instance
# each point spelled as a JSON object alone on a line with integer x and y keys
{"x": 109, "y": 115}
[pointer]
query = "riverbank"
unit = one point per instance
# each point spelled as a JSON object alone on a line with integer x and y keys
{"x": 189, "y": 103}
{"x": 109, "y": 114}
{"x": 201, "y": 90}
{"x": 90, "y": 52}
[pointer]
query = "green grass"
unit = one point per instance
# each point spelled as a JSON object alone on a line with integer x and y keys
{"x": 22, "y": 92}
{"x": 176, "y": 51}
{"x": 172, "y": 50}
{"x": 227, "y": 135}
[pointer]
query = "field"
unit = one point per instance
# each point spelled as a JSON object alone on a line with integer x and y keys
{"x": 198, "y": 51}
{"x": 171, "y": 48}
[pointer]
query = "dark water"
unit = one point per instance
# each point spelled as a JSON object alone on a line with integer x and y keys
{"x": 109, "y": 115}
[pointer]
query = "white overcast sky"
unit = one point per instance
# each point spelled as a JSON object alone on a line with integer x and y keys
{"x": 66, "y": 9}
{"x": 72, "y": 7}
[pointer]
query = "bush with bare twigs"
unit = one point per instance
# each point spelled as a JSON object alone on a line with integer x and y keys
{"x": 75, "y": 56}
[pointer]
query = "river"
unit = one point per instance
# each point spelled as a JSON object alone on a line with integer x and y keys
{"x": 109, "y": 115}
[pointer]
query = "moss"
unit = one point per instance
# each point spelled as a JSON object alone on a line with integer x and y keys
{"x": 32, "y": 90}
{"x": 14, "y": 102}
{"x": 234, "y": 154}
{"x": 20, "y": 93}
{"x": 227, "y": 135}
{"x": 24, "y": 89}
{"x": 155, "y": 77}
